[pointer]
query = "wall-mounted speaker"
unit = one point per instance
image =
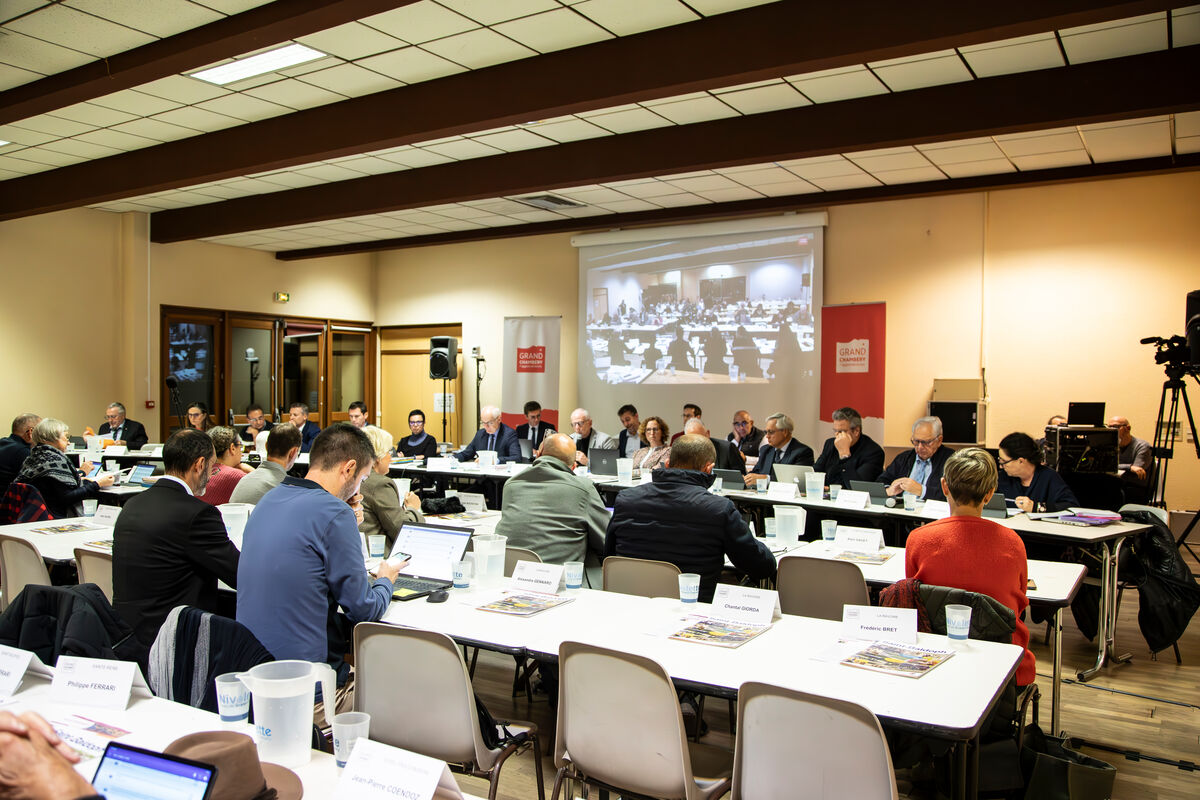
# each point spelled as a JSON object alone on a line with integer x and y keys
{"x": 443, "y": 357}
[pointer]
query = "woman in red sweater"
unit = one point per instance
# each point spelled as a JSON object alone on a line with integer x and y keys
{"x": 968, "y": 552}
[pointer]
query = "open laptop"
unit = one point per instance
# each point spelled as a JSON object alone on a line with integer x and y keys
{"x": 790, "y": 473}
{"x": 127, "y": 771}
{"x": 877, "y": 490}
{"x": 526, "y": 449}
{"x": 434, "y": 549}
{"x": 603, "y": 462}
{"x": 996, "y": 507}
{"x": 730, "y": 478}
{"x": 1089, "y": 414}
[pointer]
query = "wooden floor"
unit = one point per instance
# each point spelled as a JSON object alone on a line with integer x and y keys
{"x": 1148, "y": 706}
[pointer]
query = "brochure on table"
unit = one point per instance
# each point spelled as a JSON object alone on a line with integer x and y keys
{"x": 376, "y": 771}
{"x": 533, "y": 588}
{"x": 737, "y": 615}
{"x": 893, "y": 649}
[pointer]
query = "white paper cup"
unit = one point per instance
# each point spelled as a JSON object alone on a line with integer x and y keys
{"x": 958, "y": 621}
{"x": 348, "y": 728}
{"x": 761, "y": 485}
{"x": 377, "y": 544}
{"x": 910, "y": 501}
{"x": 462, "y": 574}
{"x": 89, "y": 507}
{"x": 689, "y": 587}
{"x": 233, "y": 699}
{"x": 573, "y": 574}
{"x": 814, "y": 485}
{"x": 834, "y": 489}
{"x": 718, "y": 484}
{"x": 828, "y": 529}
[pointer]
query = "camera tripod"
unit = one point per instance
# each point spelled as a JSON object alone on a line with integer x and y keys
{"x": 1165, "y": 433}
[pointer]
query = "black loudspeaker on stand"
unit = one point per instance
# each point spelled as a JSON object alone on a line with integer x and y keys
{"x": 443, "y": 364}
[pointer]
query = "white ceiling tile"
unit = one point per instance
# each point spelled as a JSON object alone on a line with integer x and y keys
{"x": 510, "y": 141}
{"x": 420, "y": 22}
{"x": 15, "y": 8}
{"x": 415, "y": 157}
{"x": 569, "y": 130}
{"x": 48, "y": 157}
{"x": 552, "y": 30}
{"x": 182, "y": 89}
{"x": 351, "y": 41}
{"x": 244, "y": 107}
{"x": 638, "y": 119}
{"x": 911, "y": 175}
{"x": 489, "y": 12}
{"x": 136, "y": 103}
{"x": 55, "y": 125}
{"x": 11, "y": 76}
{"x": 730, "y": 195}
{"x": 838, "y": 183}
{"x": 710, "y": 7}
{"x": 154, "y": 129}
{"x": 327, "y": 172}
{"x": 22, "y": 165}
{"x": 232, "y": 6}
{"x": 1124, "y": 37}
{"x": 977, "y": 151}
{"x": 1022, "y": 54}
{"x": 293, "y": 179}
{"x": 650, "y": 188}
{"x": 36, "y": 55}
{"x": 7, "y": 174}
{"x": 967, "y": 169}
{"x": 351, "y": 80}
{"x": 411, "y": 65}
{"x": 478, "y": 48}
{"x": 628, "y": 206}
{"x": 462, "y": 149}
{"x": 75, "y": 147}
{"x": 25, "y": 136}
{"x": 891, "y": 159}
{"x": 294, "y": 93}
{"x": 764, "y": 98}
{"x": 1031, "y": 144}
{"x": 159, "y": 18}
{"x": 1186, "y": 124}
{"x": 1187, "y": 144}
{"x": 91, "y": 114}
{"x": 824, "y": 167}
{"x": 829, "y": 86}
{"x": 253, "y": 185}
{"x": 625, "y": 17}
{"x": 1122, "y": 141}
{"x": 761, "y": 175}
{"x": 1185, "y": 26}
{"x": 917, "y": 72}
{"x": 197, "y": 118}
{"x": 700, "y": 109}
{"x": 225, "y": 192}
{"x": 79, "y": 31}
{"x": 533, "y": 215}
{"x": 678, "y": 199}
{"x": 1065, "y": 158}
{"x": 501, "y": 205}
{"x": 369, "y": 165}
{"x": 305, "y": 68}
{"x": 706, "y": 183}
{"x": 593, "y": 195}
{"x": 461, "y": 225}
{"x": 794, "y": 186}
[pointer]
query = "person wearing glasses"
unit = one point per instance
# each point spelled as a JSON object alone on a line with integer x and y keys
{"x": 492, "y": 435}
{"x": 48, "y": 470}
{"x": 849, "y": 454}
{"x": 418, "y": 442}
{"x": 1134, "y": 461}
{"x": 779, "y": 448}
{"x": 197, "y": 417}
{"x": 384, "y": 510}
{"x": 919, "y": 471}
{"x": 123, "y": 431}
{"x": 745, "y": 437}
{"x": 1026, "y": 482}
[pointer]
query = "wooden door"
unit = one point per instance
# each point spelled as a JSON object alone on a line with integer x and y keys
{"x": 405, "y": 383}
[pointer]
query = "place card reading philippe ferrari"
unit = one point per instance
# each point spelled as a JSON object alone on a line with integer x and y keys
{"x": 92, "y": 681}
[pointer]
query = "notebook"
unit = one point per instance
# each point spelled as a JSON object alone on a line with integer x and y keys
{"x": 1090, "y": 414}
{"x": 730, "y": 478}
{"x": 602, "y": 462}
{"x": 877, "y": 490}
{"x": 434, "y": 549}
{"x": 790, "y": 473}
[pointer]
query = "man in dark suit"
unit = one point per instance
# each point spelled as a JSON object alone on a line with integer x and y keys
{"x": 170, "y": 547}
{"x": 781, "y": 448}
{"x": 123, "y": 431}
{"x": 727, "y": 455}
{"x": 533, "y": 429}
{"x": 628, "y": 441}
{"x": 492, "y": 435}
{"x": 298, "y": 416}
{"x": 15, "y": 449}
{"x": 919, "y": 471}
{"x": 849, "y": 454}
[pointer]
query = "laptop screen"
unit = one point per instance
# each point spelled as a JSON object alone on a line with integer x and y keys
{"x": 434, "y": 549}
{"x": 130, "y": 773}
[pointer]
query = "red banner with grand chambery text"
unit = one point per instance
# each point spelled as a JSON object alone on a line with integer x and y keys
{"x": 853, "y": 339}
{"x": 531, "y": 358}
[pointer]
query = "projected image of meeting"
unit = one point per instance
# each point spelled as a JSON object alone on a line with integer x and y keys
{"x": 710, "y": 310}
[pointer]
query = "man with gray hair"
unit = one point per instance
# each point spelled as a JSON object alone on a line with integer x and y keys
{"x": 727, "y": 455}
{"x": 492, "y": 435}
{"x": 123, "y": 431}
{"x": 586, "y": 437}
{"x": 780, "y": 448}
{"x": 15, "y": 449}
{"x": 849, "y": 455}
{"x": 919, "y": 470}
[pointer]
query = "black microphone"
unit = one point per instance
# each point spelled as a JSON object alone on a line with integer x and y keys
{"x": 172, "y": 382}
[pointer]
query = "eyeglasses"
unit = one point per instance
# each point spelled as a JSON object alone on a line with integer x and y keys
{"x": 737, "y": 424}
{"x": 196, "y": 414}
{"x": 118, "y": 416}
{"x": 922, "y": 442}
{"x": 1004, "y": 462}
{"x": 413, "y": 423}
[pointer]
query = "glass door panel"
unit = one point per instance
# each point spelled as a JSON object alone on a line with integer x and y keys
{"x": 303, "y": 345}
{"x": 347, "y": 371}
{"x": 251, "y": 367}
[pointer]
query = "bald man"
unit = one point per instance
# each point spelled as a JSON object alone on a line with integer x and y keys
{"x": 1134, "y": 461}
{"x": 727, "y": 455}
{"x": 553, "y": 512}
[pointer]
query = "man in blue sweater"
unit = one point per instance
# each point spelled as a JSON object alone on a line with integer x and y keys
{"x": 302, "y": 558}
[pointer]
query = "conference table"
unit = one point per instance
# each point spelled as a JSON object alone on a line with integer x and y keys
{"x": 1108, "y": 539}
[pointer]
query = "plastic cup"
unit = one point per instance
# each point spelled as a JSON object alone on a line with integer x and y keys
{"x": 689, "y": 587}
{"x": 462, "y": 574}
{"x": 761, "y": 485}
{"x": 789, "y": 522}
{"x": 958, "y": 621}
{"x": 625, "y": 470}
{"x": 233, "y": 699}
{"x": 573, "y": 573}
{"x": 770, "y": 527}
{"x": 718, "y": 484}
{"x": 814, "y": 485}
{"x": 348, "y": 728}
{"x": 910, "y": 501}
{"x": 377, "y": 544}
{"x": 834, "y": 489}
{"x": 89, "y": 507}
{"x": 828, "y": 529}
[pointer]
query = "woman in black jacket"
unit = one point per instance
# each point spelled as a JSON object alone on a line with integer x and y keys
{"x": 50, "y": 471}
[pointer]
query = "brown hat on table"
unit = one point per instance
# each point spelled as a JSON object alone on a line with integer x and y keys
{"x": 240, "y": 775}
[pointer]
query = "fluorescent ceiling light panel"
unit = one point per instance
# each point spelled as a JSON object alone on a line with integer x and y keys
{"x": 2, "y": 143}
{"x": 271, "y": 61}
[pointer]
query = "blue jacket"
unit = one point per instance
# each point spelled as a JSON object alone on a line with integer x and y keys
{"x": 506, "y": 445}
{"x": 308, "y": 435}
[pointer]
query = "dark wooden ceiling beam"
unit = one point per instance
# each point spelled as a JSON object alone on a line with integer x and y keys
{"x": 1135, "y": 86}
{"x": 241, "y": 33}
{"x": 770, "y": 205}
{"x": 767, "y": 41}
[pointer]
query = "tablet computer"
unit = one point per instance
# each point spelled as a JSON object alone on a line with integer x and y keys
{"x": 127, "y": 772}
{"x": 138, "y": 475}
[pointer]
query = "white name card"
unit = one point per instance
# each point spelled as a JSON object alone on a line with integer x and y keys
{"x": 473, "y": 501}
{"x": 156, "y": 452}
{"x": 93, "y": 682}
{"x": 858, "y": 540}
{"x": 377, "y": 771}
{"x": 106, "y": 515}
{"x": 13, "y": 664}
{"x": 849, "y": 498}
{"x": 535, "y": 577}
{"x": 874, "y": 623}
{"x": 777, "y": 490}
{"x": 442, "y": 464}
{"x": 937, "y": 509}
{"x": 745, "y": 604}
{"x": 115, "y": 450}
